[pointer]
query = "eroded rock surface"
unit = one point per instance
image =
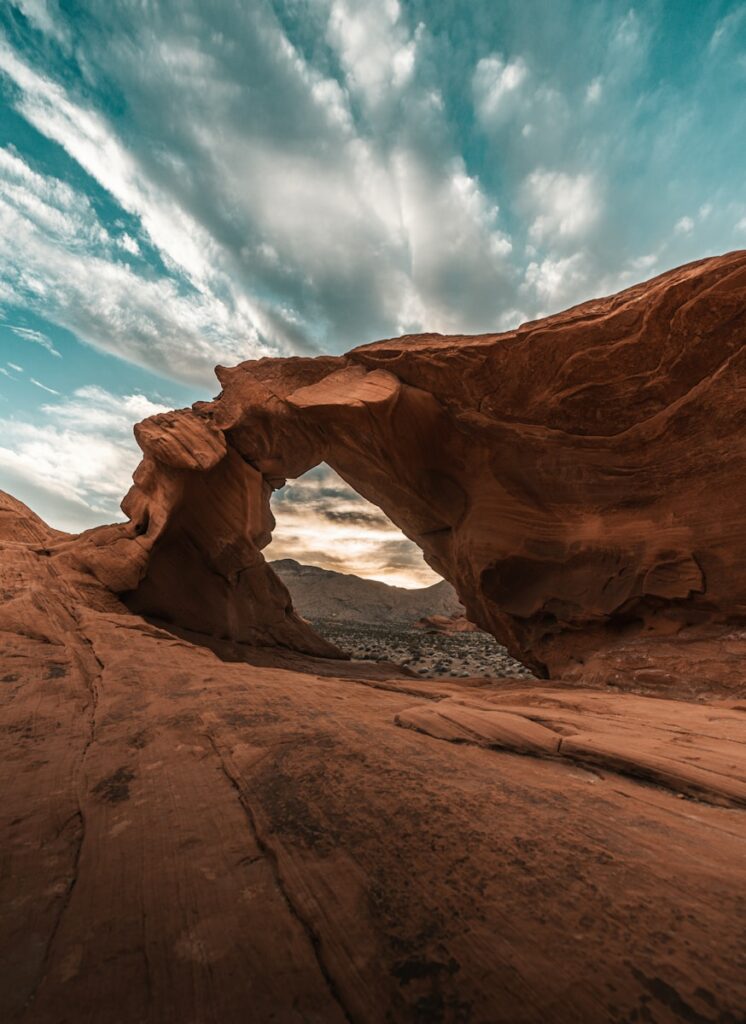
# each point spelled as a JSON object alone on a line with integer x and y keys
{"x": 578, "y": 480}
{"x": 190, "y": 555}
{"x": 223, "y": 820}
{"x": 188, "y": 839}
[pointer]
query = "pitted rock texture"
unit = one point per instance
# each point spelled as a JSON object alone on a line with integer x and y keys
{"x": 578, "y": 480}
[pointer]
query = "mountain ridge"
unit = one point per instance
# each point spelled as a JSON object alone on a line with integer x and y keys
{"x": 327, "y": 594}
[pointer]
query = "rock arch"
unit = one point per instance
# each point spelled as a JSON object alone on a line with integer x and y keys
{"x": 577, "y": 480}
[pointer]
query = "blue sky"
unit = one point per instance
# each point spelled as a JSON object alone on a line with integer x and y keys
{"x": 185, "y": 183}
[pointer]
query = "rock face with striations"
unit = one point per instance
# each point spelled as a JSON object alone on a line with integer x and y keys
{"x": 577, "y": 480}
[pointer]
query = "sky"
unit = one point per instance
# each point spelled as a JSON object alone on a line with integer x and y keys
{"x": 188, "y": 183}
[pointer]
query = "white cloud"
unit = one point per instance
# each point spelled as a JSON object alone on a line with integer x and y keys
{"x": 458, "y": 254}
{"x": 557, "y": 282}
{"x": 374, "y": 46}
{"x": 43, "y": 15}
{"x": 76, "y": 465}
{"x": 496, "y": 84}
{"x": 186, "y": 247}
{"x": 726, "y": 28}
{"x": 93, "y": 409}
{"x": 741, "y": 224}
{"x": 129, "y": 245}
{"x": 36, "y": 337}
{"x": 321, "y": 521}
{"x": 89, "y": 139}
{"x": 594, "y": 91}
{"x": 684, "y": 226}
{"x": 627, "y": 33}
{"x": 563, "y": 206}
{"x": 644, "y": 262}
{"x": 16, "y": 367}
{"x": 307, "y": 209}
{"x": 44, "y": 387}
{"x": 59, "y": 260}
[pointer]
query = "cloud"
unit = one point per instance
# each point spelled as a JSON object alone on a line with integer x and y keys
{"x": 374, "y": 46}
{"x": 594, "y": 91}
{"x": 321, "y": 521}
{"x": 726, "y": 28}
{"x": 43, "y": 15}
{"x": 60, "y": 261}
{"x": 293, "y": 214}
{"x": 628, "y": 35}
{"x": 90, "y": 140}
{"x": 563, "y": 207}
{"x": 555, "y": 281}
{"x": 497, "y": 86}
{"x": 75, "y": 466}
{"x": 129, "y": 244}
{"x": 44, "y": 387}
{"x": 36, "y": 337}
{"x": 16, "y": 367}
{"x": 459, "y": 255}
{"x": 684, "y": 226}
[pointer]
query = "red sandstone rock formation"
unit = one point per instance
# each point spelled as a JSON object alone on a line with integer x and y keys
{"x": 190, "y": 554}
{"x": 577, "y": 480}
{"x": 189, "y": 839}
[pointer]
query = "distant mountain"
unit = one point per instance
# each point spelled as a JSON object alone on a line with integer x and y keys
{"x": 323, "y": 594}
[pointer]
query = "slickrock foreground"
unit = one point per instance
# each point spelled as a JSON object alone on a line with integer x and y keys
{"x": 207, "y": 815}
{"x": 186, "y": 839}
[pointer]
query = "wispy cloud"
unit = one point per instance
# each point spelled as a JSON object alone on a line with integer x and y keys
{"x": 59, "y": 260}
{"x": 295, "y": 216}
{"x": 727, "y": 27}
{"x": 44, "y": 387}
{"x": 562, "y": 207}
{"x": 28, "y": 334}
{"x": 75, "y": 465}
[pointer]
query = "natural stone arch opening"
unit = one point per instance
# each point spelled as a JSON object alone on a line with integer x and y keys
{"x": 200, "y": 505}
{"x": 572, "y": 479}
{"x": 321, "y": 521}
